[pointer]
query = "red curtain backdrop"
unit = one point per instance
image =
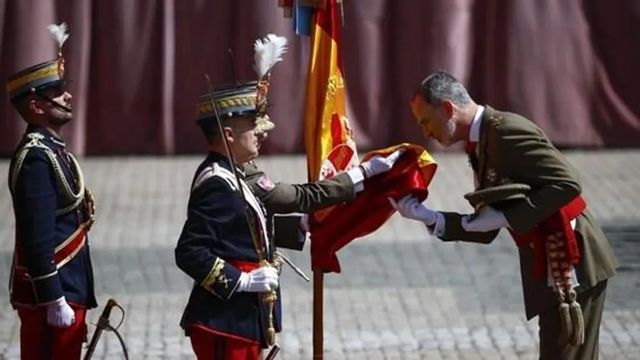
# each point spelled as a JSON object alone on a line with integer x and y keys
{"x": 138, "y": 66}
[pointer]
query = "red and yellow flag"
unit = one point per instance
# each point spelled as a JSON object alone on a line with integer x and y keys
{"x": 328, "y": 137}
{"x": 411, "y": 174}
{"x": 331, "y": 149}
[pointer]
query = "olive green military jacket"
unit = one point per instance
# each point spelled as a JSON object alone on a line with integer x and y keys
{"x": 281, "y": 198}
{"x": 513, "y": 149}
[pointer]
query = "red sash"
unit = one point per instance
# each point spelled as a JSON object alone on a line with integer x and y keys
{"x": 67, "y": 249}
{"x": 558, "y": 222}
{"x": 70, "y": 247}
{"x": 244, "y": 266}
{"x": 22, "y": 290}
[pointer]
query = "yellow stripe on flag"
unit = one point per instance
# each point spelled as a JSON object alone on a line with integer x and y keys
{"x": 328, "y": 137}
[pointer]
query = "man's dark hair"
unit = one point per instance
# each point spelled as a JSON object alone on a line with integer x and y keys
{"x": 441, "y": 86}
{"x": 210, "y": 129}
{"x": 21, "y": 104}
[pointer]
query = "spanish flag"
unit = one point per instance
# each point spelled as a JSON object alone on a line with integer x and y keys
{"x": 328, "y": 137}
{"x": 329, "y": 142}
{"x": 331, "y": 149}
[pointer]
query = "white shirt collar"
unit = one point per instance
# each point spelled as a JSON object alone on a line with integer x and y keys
{"x": 474, "y": 132}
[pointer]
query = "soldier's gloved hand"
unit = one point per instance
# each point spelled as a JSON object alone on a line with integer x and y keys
{"x": 486, "y": 219}
{"x": 411, "y": 208}
{"x": 60, "y": 314}
{"x": 262, "y": 279}
{"x": 379, "y": 164}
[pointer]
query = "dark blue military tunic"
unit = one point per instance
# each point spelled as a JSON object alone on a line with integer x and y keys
{"x": 49, "y": 209}
{"x": 216, "y": 235}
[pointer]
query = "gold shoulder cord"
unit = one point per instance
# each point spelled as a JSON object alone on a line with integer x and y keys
{"x": 76, "y": 197}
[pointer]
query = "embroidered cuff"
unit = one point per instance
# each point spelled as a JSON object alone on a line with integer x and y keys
{"x": 222, "y": 280}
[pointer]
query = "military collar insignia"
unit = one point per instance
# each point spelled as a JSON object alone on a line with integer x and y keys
{"x": 495, "y": 120}
{"x": 492, "y": 176}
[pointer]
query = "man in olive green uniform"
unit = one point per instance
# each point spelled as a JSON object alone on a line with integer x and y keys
{"x": 280, "y": 198}
{"x": 507, "y": 149}
{"x": 283, "y": 198}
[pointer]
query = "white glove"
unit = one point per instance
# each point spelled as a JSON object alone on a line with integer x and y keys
{"x": 411, "y": 208}
{"x": 379, "y": 164}
{"x": 60, "y": 314}
{"x": 486, "y": 219}
{"x": 262, "y": 279}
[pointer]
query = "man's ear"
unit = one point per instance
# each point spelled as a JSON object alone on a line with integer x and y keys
{"x": 34, "y": 107}
{"x": 414, "y": 105}
{"x": 228, "y": 133}
{"x": 448, "y": 107}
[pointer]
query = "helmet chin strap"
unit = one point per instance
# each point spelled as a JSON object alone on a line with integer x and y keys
{"x": 50, "y": 101}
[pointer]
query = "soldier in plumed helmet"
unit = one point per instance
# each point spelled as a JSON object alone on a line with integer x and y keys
{"x": 51, "y": 276}
{"x": 225, "y": 245}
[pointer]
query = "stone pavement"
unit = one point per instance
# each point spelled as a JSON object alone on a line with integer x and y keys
{"x": 401, "y": 293}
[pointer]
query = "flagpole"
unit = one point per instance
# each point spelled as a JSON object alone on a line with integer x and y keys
{"x": 318, "y": 314}
{"x": 318, "y": 19}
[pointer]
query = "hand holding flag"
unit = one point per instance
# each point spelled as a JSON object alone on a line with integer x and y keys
{"x": 379, "y": 164}
{"x": 410, "y": 174}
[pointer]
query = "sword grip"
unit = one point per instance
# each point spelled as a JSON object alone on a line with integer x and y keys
{"x": 106, "y": 312}
{"x": 103, "y": 320}
{"x": 103, "y": 323}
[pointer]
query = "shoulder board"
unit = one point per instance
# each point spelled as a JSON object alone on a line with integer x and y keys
{"x": 214, "y": 170}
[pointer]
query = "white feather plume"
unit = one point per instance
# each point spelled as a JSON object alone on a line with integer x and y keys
{"x": 59, "y": 33}
{"x": 267, "y": 52}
